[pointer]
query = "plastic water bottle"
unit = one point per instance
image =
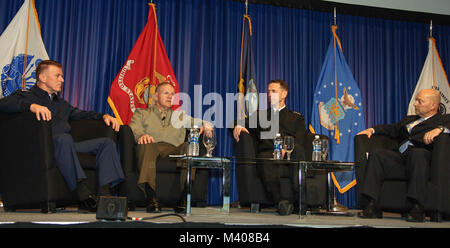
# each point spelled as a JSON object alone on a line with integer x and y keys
{"x": 194, "y": 141}
{"x": 277, "y": 146}
{"x": 317, "y": 149}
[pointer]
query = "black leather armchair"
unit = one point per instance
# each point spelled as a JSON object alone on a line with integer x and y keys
{"x": 28, "y": 175}
{"x": 167, "y": 176}
{"x": 252, "y": 193}
{"x": 393, "y": 194}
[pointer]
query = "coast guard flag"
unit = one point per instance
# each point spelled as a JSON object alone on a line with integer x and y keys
{"x": 146, "y": 67}
{"x": 337, "y": 110}
{"x": 21, "y": 50}
{"x": 433, "y": 77}
{"x": 247, "y": 83}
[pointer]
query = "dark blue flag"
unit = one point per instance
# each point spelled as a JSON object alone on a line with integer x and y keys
{"x": 247, "y": 83}
{"x": 337, "y": 110}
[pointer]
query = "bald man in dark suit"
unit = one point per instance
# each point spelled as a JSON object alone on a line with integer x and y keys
{"x": 420, "y": 134}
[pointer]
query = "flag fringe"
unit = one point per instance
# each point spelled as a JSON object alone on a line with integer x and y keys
{"x": 114, "y": 109}
{"x": 344, "y": 189}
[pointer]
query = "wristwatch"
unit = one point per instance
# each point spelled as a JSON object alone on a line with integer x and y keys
{"x": 442, "y": 128}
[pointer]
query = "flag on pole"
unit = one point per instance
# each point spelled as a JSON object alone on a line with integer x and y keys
{"x": 21, "y": 49}
{"x": 146, "y": 67}
{"x": 337, "y": 110}
{"x": 433, "y": 77}
{"x": 247, "y": 75}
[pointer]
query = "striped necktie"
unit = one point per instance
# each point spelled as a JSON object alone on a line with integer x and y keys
{"x": 409, "y": 127}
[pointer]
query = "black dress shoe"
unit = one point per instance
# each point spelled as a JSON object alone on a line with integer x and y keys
{"x": 285, "y": 208}
{"x": 417, "y": 214}
{"x": 88, "y": 205}
{"x": 179, "y": 210}
{"x": 153, "y": 207}
{"x": 436, "y": 216}
{"x": 372, "y": 211}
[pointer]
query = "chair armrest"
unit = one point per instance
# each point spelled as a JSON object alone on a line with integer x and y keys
{"x": 26, "y": 149}
{"x": 127, "y": 148}
{"x": 440, "y": 171}
{"x": 91, "y": 129}
{"x": 364, "y": 145}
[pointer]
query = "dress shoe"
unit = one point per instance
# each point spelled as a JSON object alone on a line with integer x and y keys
{"x": 285, "y": 208}
{"x": 179, "y": 209}
{"x": 153, "y": 207}
{"x": 372, "y": 211}
{"x": 88, "y": 205}
{"x": 436, "y": 216}
{"x": 417, "y": 214}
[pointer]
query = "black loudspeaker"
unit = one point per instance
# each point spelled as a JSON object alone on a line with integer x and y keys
{"x": 112, "y": 208}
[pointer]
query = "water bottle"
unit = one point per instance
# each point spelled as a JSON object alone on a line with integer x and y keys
{"x": 194, "y": 141}
{"x": 317, "y": 149}
{"x": 277, "y": 146}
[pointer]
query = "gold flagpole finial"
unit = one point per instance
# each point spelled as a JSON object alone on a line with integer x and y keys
{"x": 431, "y": 28}
{"x": 334, "y": 16}
{"x": 246, "y": 7}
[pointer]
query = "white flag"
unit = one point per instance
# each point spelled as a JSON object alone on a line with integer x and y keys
{"x": 433, "y": 76}
{"x": 21, "y": 49}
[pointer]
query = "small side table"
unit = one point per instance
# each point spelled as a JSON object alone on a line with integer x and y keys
{"x": 207, "y": 163}
{"x": 328, "y": 166}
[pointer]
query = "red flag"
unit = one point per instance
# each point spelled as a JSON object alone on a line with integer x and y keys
{"x": 146, "y": 66}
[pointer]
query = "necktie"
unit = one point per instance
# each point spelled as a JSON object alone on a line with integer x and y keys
{"x": 409, "y": 127}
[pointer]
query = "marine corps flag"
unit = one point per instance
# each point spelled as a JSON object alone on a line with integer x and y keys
{"x": 433, "y": 77}
{"x": 247, "y": 84}
{"x": 21, "y": 50}
{"x": 146, "y": 66}
{"x": 337, "y": 110}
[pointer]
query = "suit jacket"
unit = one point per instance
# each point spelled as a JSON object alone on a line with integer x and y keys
{"x": 399, "y": 130}
{"x": 61, "y": 110}
{"x": 290, "y": 124}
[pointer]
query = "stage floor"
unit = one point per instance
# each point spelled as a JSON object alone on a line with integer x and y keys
{"x": 240, "y": 217}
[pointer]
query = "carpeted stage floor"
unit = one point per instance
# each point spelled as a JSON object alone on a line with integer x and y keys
{"x": 210, "y": 227}
{"x": 207, "y": 217}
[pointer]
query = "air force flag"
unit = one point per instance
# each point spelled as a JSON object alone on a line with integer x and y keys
{"x": 337, "y": 110}
{"x": 21, "y": 49}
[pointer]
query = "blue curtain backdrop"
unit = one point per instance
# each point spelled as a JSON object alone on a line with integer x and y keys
{"x": 92, "y": 39}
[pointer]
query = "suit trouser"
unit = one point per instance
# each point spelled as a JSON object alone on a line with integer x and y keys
{"x": 148, "y": 154}
{"x": 107, "y": 163}
{"x": 268, "y": 171}
{"x": 413, "y": 164}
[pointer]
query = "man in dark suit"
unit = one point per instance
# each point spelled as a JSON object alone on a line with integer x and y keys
{"x": 283, "y": 121}
{"x": 43, "y": 100}
{"x": 418, "y": 135}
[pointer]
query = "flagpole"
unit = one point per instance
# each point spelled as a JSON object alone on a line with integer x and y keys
{"x": 432, "y": 39}
{"x": 246, "y": 7}
{"x": 431, "y": 28}
{"x": 334, "y": 27}
{"x": 334, "y": 16}
{"x": 26, "y": 47}
{"x": 334, "y": 207}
